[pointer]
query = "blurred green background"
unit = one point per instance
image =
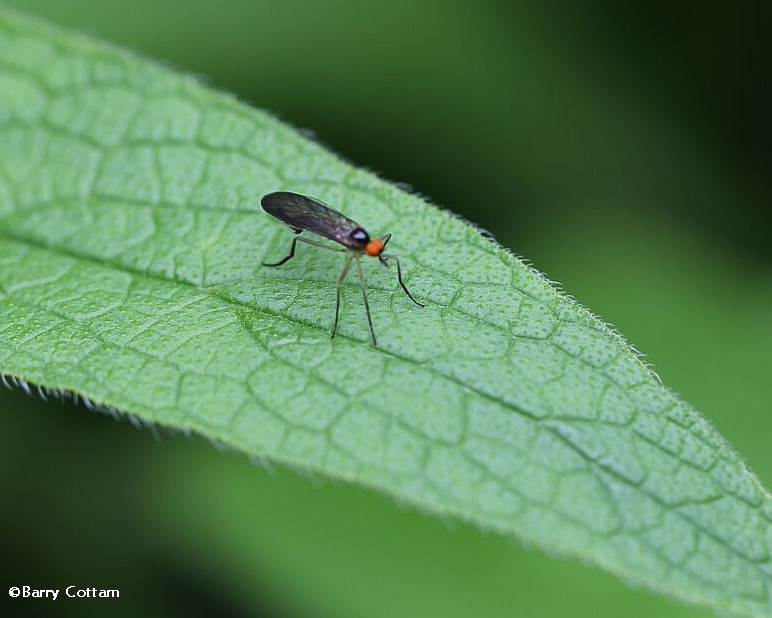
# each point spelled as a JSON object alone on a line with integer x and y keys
{"x": 625, "y": 151}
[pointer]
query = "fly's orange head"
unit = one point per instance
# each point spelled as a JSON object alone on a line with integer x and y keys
{"x": 375, "y": 247}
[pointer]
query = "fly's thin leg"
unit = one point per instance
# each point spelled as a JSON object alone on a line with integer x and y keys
{"x": 341, "y": 280}
{"x": 385, "y": 257}
{"x": 288, "y": 257}
{"x": 361, "y": 274}
{"x": 295, "y": 241}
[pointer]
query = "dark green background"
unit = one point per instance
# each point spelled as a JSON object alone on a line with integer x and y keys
{"x": 625, "y": 151}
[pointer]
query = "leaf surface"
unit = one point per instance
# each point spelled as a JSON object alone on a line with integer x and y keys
{"x": 130, "y": 246}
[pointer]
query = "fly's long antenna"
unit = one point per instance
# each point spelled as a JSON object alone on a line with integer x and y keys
{"x": 295, "y": 241}
{"x": 341, "y": 280}
{"x": 383, "y": 258}
{"x": 361, "y": 274}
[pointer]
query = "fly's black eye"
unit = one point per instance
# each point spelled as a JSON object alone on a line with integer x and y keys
{"x": 360, "y": 236}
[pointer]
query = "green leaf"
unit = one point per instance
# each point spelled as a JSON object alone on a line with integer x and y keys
{"x": 130, "y": 246}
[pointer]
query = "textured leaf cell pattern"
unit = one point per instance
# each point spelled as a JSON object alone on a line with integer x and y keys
{"x": 130, "y": 246}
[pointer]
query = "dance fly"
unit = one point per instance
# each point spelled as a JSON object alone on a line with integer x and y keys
{"x": 305, "y": 214}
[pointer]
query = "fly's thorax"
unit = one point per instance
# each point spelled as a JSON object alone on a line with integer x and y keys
{"x": 358, "y": 238}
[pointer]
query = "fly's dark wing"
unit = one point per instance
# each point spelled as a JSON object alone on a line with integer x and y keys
{"x": 304, "y": 213}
